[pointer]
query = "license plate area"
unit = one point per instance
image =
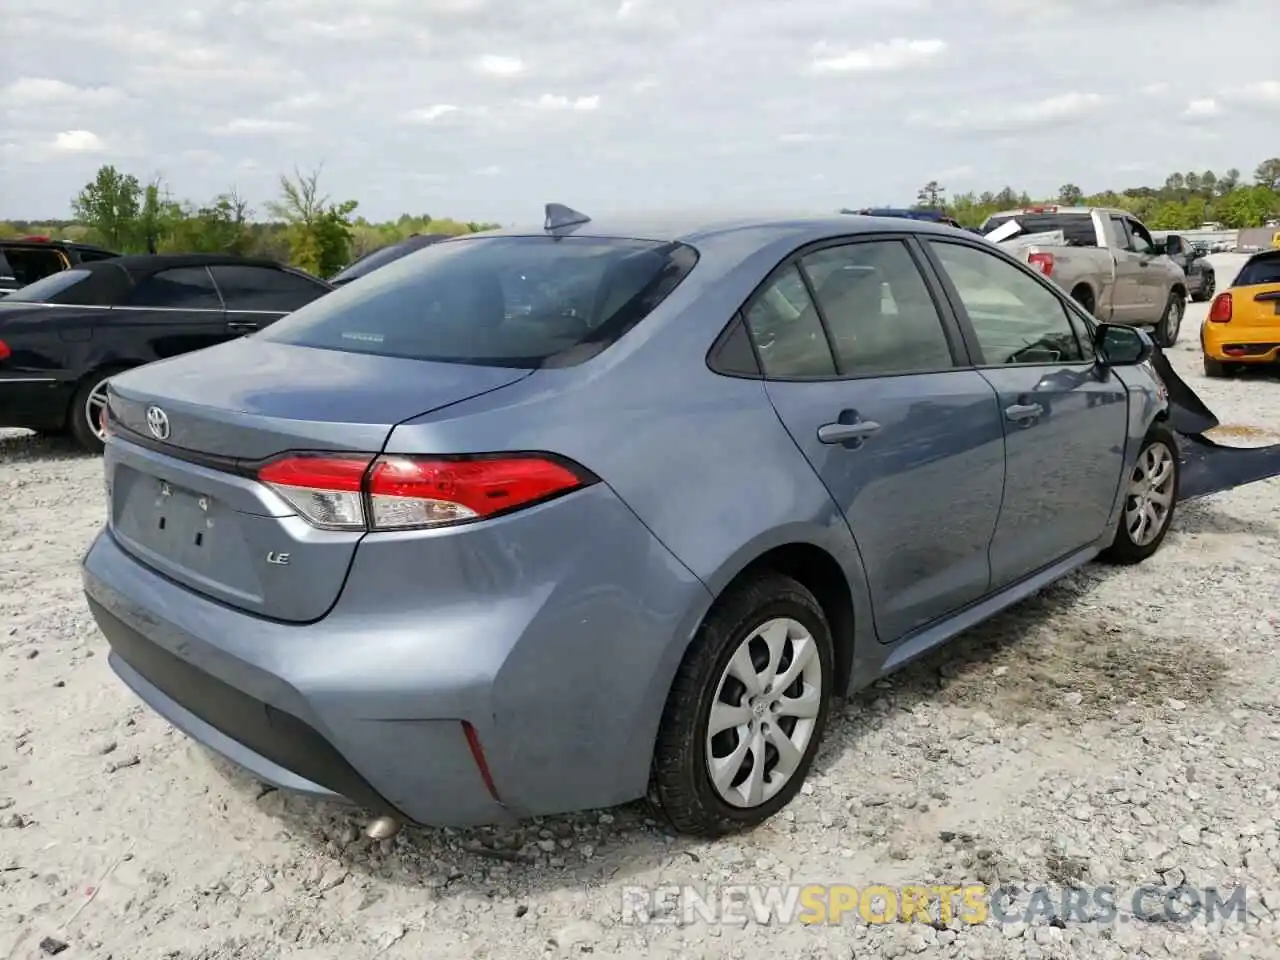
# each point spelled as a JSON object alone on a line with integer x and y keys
{"x": 184, "y": 527}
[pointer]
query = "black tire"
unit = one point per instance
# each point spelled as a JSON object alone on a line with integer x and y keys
{"x": 1215, "y": 368}
{"x": 1170, "y": 325}
{"x": 77, "y": 418}
{"x": 1124, "y": 549}
{"x": 680, "y": 786}
{"x": 1206, "y": 290}
{"x": 1083, "y": 296}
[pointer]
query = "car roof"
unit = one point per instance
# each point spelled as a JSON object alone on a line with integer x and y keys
{"x": 693, "y": 229}
{"x": 139, "y": 265}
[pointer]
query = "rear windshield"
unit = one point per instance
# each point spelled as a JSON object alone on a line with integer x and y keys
{"x": 495, "y": 301}
{"x": 1076, "y": 227}
{"x": 1260, "y": 270}
{"x": 45, "y": 290}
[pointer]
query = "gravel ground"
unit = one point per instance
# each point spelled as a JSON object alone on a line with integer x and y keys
{"x": 1122, "y": 728}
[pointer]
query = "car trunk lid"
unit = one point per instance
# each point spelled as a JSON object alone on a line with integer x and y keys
{"x": 1256, "y": 306}
{"x": 191, "y": 433}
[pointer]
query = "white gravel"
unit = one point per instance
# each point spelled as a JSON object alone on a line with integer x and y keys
{"x": 1122, "y": 729}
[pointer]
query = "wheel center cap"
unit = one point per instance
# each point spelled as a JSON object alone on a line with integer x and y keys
{"x": 759, "y": 709}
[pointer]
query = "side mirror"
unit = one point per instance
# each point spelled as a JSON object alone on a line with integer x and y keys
{"x": 1122, "y": 346}
{"x": 1173, "y": 245}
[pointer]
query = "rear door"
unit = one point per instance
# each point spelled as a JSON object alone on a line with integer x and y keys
{"x": 171, "y": 312}
{"x": 1129, "y": 297}
{"x": 870, "y": 379}
{"x": 1065, "y": 423}
{"x": 258, "y": 296}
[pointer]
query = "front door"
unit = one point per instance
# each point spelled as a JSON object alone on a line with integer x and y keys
{"x": 1129, "y": 295}
{"x": 257, "y": 296}
{"x": 1151, "y": 270}
{"x": 868, "y": 381}
{"x": 1065, "y": 419}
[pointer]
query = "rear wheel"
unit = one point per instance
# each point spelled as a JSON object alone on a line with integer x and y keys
{"x": 1149, "y": 501}
{"x": 1215, "y": 368}
{"x": 1171, "y": 322}
{"x": 87, "y": 417}
{"x": 1206, "y": 290}
{"x": 747, "y": 709}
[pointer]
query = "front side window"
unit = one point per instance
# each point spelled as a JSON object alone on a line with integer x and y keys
{"x": 787, "y": 331}
{"x": 497, "y": 301}
{"x": 1015, "y": 317}
{"x": 264, "y": 289}
{"x": 878, "y": 309}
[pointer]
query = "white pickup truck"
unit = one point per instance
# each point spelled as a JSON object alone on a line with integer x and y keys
{"x": 1106, "y": 259}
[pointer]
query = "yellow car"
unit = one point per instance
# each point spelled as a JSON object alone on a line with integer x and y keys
{"x": 1243, "y": 324}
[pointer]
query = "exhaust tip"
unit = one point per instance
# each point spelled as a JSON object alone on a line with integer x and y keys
{"x": 383, "y": 828}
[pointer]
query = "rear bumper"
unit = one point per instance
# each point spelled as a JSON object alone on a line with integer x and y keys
{"x": 563, "y": 681}
{"x": 34, "y": 403}
{"x": 1231, "y": 343}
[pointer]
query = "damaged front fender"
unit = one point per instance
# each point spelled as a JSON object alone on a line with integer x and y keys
{"x": 1207, "y": 466}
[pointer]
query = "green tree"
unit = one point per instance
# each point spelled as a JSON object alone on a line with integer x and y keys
{"x": 319, "y": 231}
{"x": 931, "y": 196}
{"x": 1069, "y": 195}
{"x": 1268, "y": 174}
{"x": 111, "y": 205}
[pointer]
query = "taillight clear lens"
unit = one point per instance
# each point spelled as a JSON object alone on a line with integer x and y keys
{"x": 403, "y": 492}
{"x": 326, "y": 491}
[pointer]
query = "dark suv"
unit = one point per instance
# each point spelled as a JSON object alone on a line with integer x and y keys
{"x": 26, "y": 260}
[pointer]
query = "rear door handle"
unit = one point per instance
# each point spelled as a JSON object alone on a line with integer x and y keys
{"x": 241, "y": 326}
{"x": 1023, "y": 411}
{"x": 844, "y": 432}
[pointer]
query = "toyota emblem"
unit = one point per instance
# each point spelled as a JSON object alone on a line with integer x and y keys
{"x": 158, "y": 423}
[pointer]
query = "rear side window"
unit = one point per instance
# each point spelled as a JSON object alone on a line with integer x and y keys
{"x": 787, "y": 331}
{"x": 496, "y": 301}
{"x": 1258, "y": 271}
{"x": 186, "y": 288}
{"x": 264, "y": 289}
{"x": 30, "y": 265}
{"x": 1077, "y": 228}
{"x": 48, "y": 289}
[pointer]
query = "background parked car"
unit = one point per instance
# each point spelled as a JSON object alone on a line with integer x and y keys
{"x": 1242, "y": 327}
{"x": 384, "y": 255}
{"x": 1192, "y": 258}
{"x": 1105, "y": 258}
{"x": 63, "y": 337}
{"x": 29, "y": 259}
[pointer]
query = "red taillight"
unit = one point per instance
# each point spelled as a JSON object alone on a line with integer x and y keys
{"x": 1220, "y": 311}
{"x": 5, "y": 352}
{"x": 1042, "y": 262}
{"x": 360, "y": 492}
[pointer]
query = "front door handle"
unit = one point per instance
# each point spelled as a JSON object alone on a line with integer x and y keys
{"x": 1023, "y": 411}
{"x": 846, "y": 432}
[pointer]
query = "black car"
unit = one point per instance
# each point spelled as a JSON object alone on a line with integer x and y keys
{"x": 1202, "y": 280}
{"x": 63, "y": 337}
{"x": 384, "y": 255}
{"x": 29, "y": 259}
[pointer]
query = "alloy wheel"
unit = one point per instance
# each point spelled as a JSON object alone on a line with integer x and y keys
{"x": 1150, "y": 494}
{"x": 95, "y": 410}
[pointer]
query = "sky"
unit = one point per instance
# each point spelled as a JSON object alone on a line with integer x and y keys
{"x": 488, "y": 109}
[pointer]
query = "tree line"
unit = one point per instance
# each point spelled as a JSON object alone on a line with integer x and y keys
{"x": 303, "y": 226}
{"x": 306, "y": 227}
{"x": 1184, "y": 202}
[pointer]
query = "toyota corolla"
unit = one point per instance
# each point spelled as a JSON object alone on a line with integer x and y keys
{"x": 558, "y": 518}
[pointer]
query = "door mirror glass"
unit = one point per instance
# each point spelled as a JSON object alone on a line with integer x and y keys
{"x": 1173, "y": 245}
{"x": 1121, "y": 346}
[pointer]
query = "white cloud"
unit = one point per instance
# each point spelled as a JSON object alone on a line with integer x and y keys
{"x": 492, "y": 170}
{"x": 37, "y": 91}
{"x": 1054, "y": 111}
{"x": 1202, "y": 109}
{"x": 1265, "y": 93}
{"x": 499, "y": 66}
{"x": 254, "y": 126}
{"x": 896, "y": 54}
{"x": 555, "y": 101}
{"x": 78, "y": 141}
{"x": 429, "y": 114}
